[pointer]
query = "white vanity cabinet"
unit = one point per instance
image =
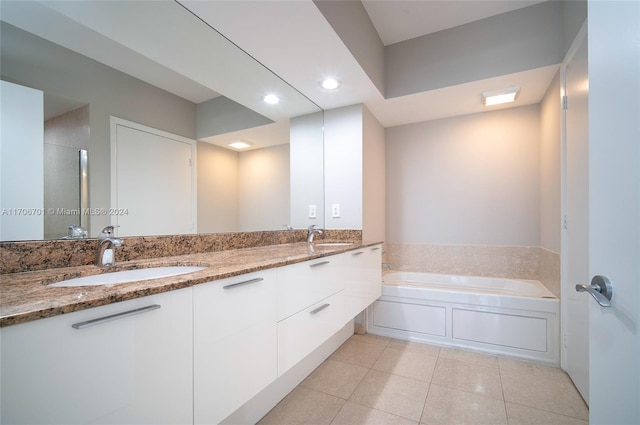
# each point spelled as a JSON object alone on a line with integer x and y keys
{"x": 363, "y": 279}
{"x": 235, "y": 343}
{"x": 127, "y": 362}
{"x": 317, "y": 298}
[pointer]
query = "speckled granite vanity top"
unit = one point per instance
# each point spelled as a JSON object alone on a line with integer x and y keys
{"x": 25, "y": 296}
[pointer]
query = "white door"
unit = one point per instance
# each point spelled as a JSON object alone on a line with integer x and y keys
{"x": 576, "y": 229}
{"x": 153, "y": 181}
{"x": 614, "y": 209}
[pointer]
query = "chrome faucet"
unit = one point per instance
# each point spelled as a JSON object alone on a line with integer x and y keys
{"x": 312, "y": 231}
{"x": 105, "y": 254}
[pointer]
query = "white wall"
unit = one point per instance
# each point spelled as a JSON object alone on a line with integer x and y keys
{"x": 21, "y": 159}
{"x": 218, "y": 188}
{"x": 343, "y": 131}
{"x": 374, "y": 214}
{"x": 242, "y": 191}
{"x": 472, "y": 179}
{"x": 307, "y": 170}
{"x": 264, "y": 189}
{"x": 550, "y": 151}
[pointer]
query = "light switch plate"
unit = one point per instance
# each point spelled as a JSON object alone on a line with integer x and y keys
{"x": 312, "y": 211}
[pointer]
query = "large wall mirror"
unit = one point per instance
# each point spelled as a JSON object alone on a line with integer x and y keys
{"x": 159, "y": 65}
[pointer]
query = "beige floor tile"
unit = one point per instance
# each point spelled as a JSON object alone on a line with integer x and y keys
{"x": 336, "y": 378}
{"x": 546, "y": 394}
{"x": 469, "y": 356}
{"x": 392, "y": 394}
{"x": 358, "y": 353}
{"x": 372, "y": 339}
{"x": 411, "y": 364}
{"x": 355, "y": 414}
{"x": 455, "y": 407}
{"x": 304, "y": 406}
{"x": 414, "y": 346}
{"x": 466, "y": 376}
{"x": 519, "y": 366}
{"x": 522, "y": 415}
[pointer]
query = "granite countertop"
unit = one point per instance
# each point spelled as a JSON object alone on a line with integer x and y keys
{"x": 25, "y": 296}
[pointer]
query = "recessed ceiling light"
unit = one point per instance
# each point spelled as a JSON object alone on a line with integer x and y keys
{"x": 239, "y": 144}
{"x": 497, "y": 97}
{"x": 271, "y": 99}
{"x": 330, "y": 84}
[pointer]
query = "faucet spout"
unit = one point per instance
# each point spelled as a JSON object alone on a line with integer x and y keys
{"x": 312, "y": 231}
{"x": 105, "y": 256}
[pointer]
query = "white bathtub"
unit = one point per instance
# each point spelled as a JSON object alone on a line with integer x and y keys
{"x": 509, "y": 317}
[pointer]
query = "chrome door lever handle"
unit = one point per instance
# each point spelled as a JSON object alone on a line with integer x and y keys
{"x": 600, "y": 289}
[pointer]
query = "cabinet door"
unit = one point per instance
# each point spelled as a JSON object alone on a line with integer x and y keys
{"x": 305, "y": 331}
{"x": 303, "y": 284}
{"x": 134, "y": 367}
{"x": 363, "y": 279}
{"x": 235, "y": 343}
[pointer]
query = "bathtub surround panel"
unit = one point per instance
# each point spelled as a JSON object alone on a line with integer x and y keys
{"x": 16, "y": 257}
{"x": 517, "y": 262}
{"x": 549, "y": 270}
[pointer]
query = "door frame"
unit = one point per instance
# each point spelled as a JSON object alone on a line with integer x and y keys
{"x": 564, "y": 280}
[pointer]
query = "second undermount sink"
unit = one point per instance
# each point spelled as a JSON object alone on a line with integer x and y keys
{"x": 333, "y": 243}
{"x": 128, "y": 276}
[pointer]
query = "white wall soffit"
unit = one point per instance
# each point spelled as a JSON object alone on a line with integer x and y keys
{"x": 295, "y": 41}
{"x": 462, "y": 99}
{"x": 260, "y": 137}
{"x": 44, "y": 22}
{"x": 169, "y": 35}
{"x": 398, "y": 21}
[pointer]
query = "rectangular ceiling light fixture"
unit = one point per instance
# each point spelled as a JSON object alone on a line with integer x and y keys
{"x": 239, "y": 144}
{"x": 497, "y": 97}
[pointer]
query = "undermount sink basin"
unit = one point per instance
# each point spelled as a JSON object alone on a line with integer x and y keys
{"x": 333, "y": 243}
{"x": 127, "y": 276}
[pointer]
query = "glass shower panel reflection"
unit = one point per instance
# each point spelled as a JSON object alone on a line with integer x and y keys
{"x": 64, "y": 174}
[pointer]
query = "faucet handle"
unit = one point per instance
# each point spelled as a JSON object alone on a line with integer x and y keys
{"x": 310, "y": 228}
{"x": 107, "y": 232}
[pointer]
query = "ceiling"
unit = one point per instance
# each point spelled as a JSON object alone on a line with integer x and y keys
{"x": 292, "y": 39}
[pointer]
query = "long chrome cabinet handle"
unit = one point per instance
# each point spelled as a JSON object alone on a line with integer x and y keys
{"x": 319, "y": 309}
{"x": 246, "y": 282}
{"x": 375, "y": 248}
{"x": 100, "y": 320}
{"x": 357, "y": 253}
{"x": 321, "y": 263}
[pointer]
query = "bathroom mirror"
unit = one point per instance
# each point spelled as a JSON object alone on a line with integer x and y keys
{"x": 96, "y": 57}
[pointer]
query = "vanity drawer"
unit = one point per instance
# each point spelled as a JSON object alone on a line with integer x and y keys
{"x": 305, "y": 331}
{"x": 228, "y": 306}
{"x": 303, "y": 284}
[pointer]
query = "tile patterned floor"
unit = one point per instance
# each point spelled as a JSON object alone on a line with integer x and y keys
{"x": 383, "y": 381}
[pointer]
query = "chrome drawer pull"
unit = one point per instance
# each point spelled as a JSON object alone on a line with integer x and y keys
{"x": 246, "y": 282}
{"x": 319, "y": 309}
{"x": 93, "y": 322}
{"x": 319, "y": 264}
{"x": 375, "y": 249}
{"x": 357, "y": 253}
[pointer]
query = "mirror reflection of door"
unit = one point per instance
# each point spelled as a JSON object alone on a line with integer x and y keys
{"x": 153, "y": 181}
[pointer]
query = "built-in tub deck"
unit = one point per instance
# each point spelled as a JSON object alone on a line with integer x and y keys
{"x": 500, "y": 316}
